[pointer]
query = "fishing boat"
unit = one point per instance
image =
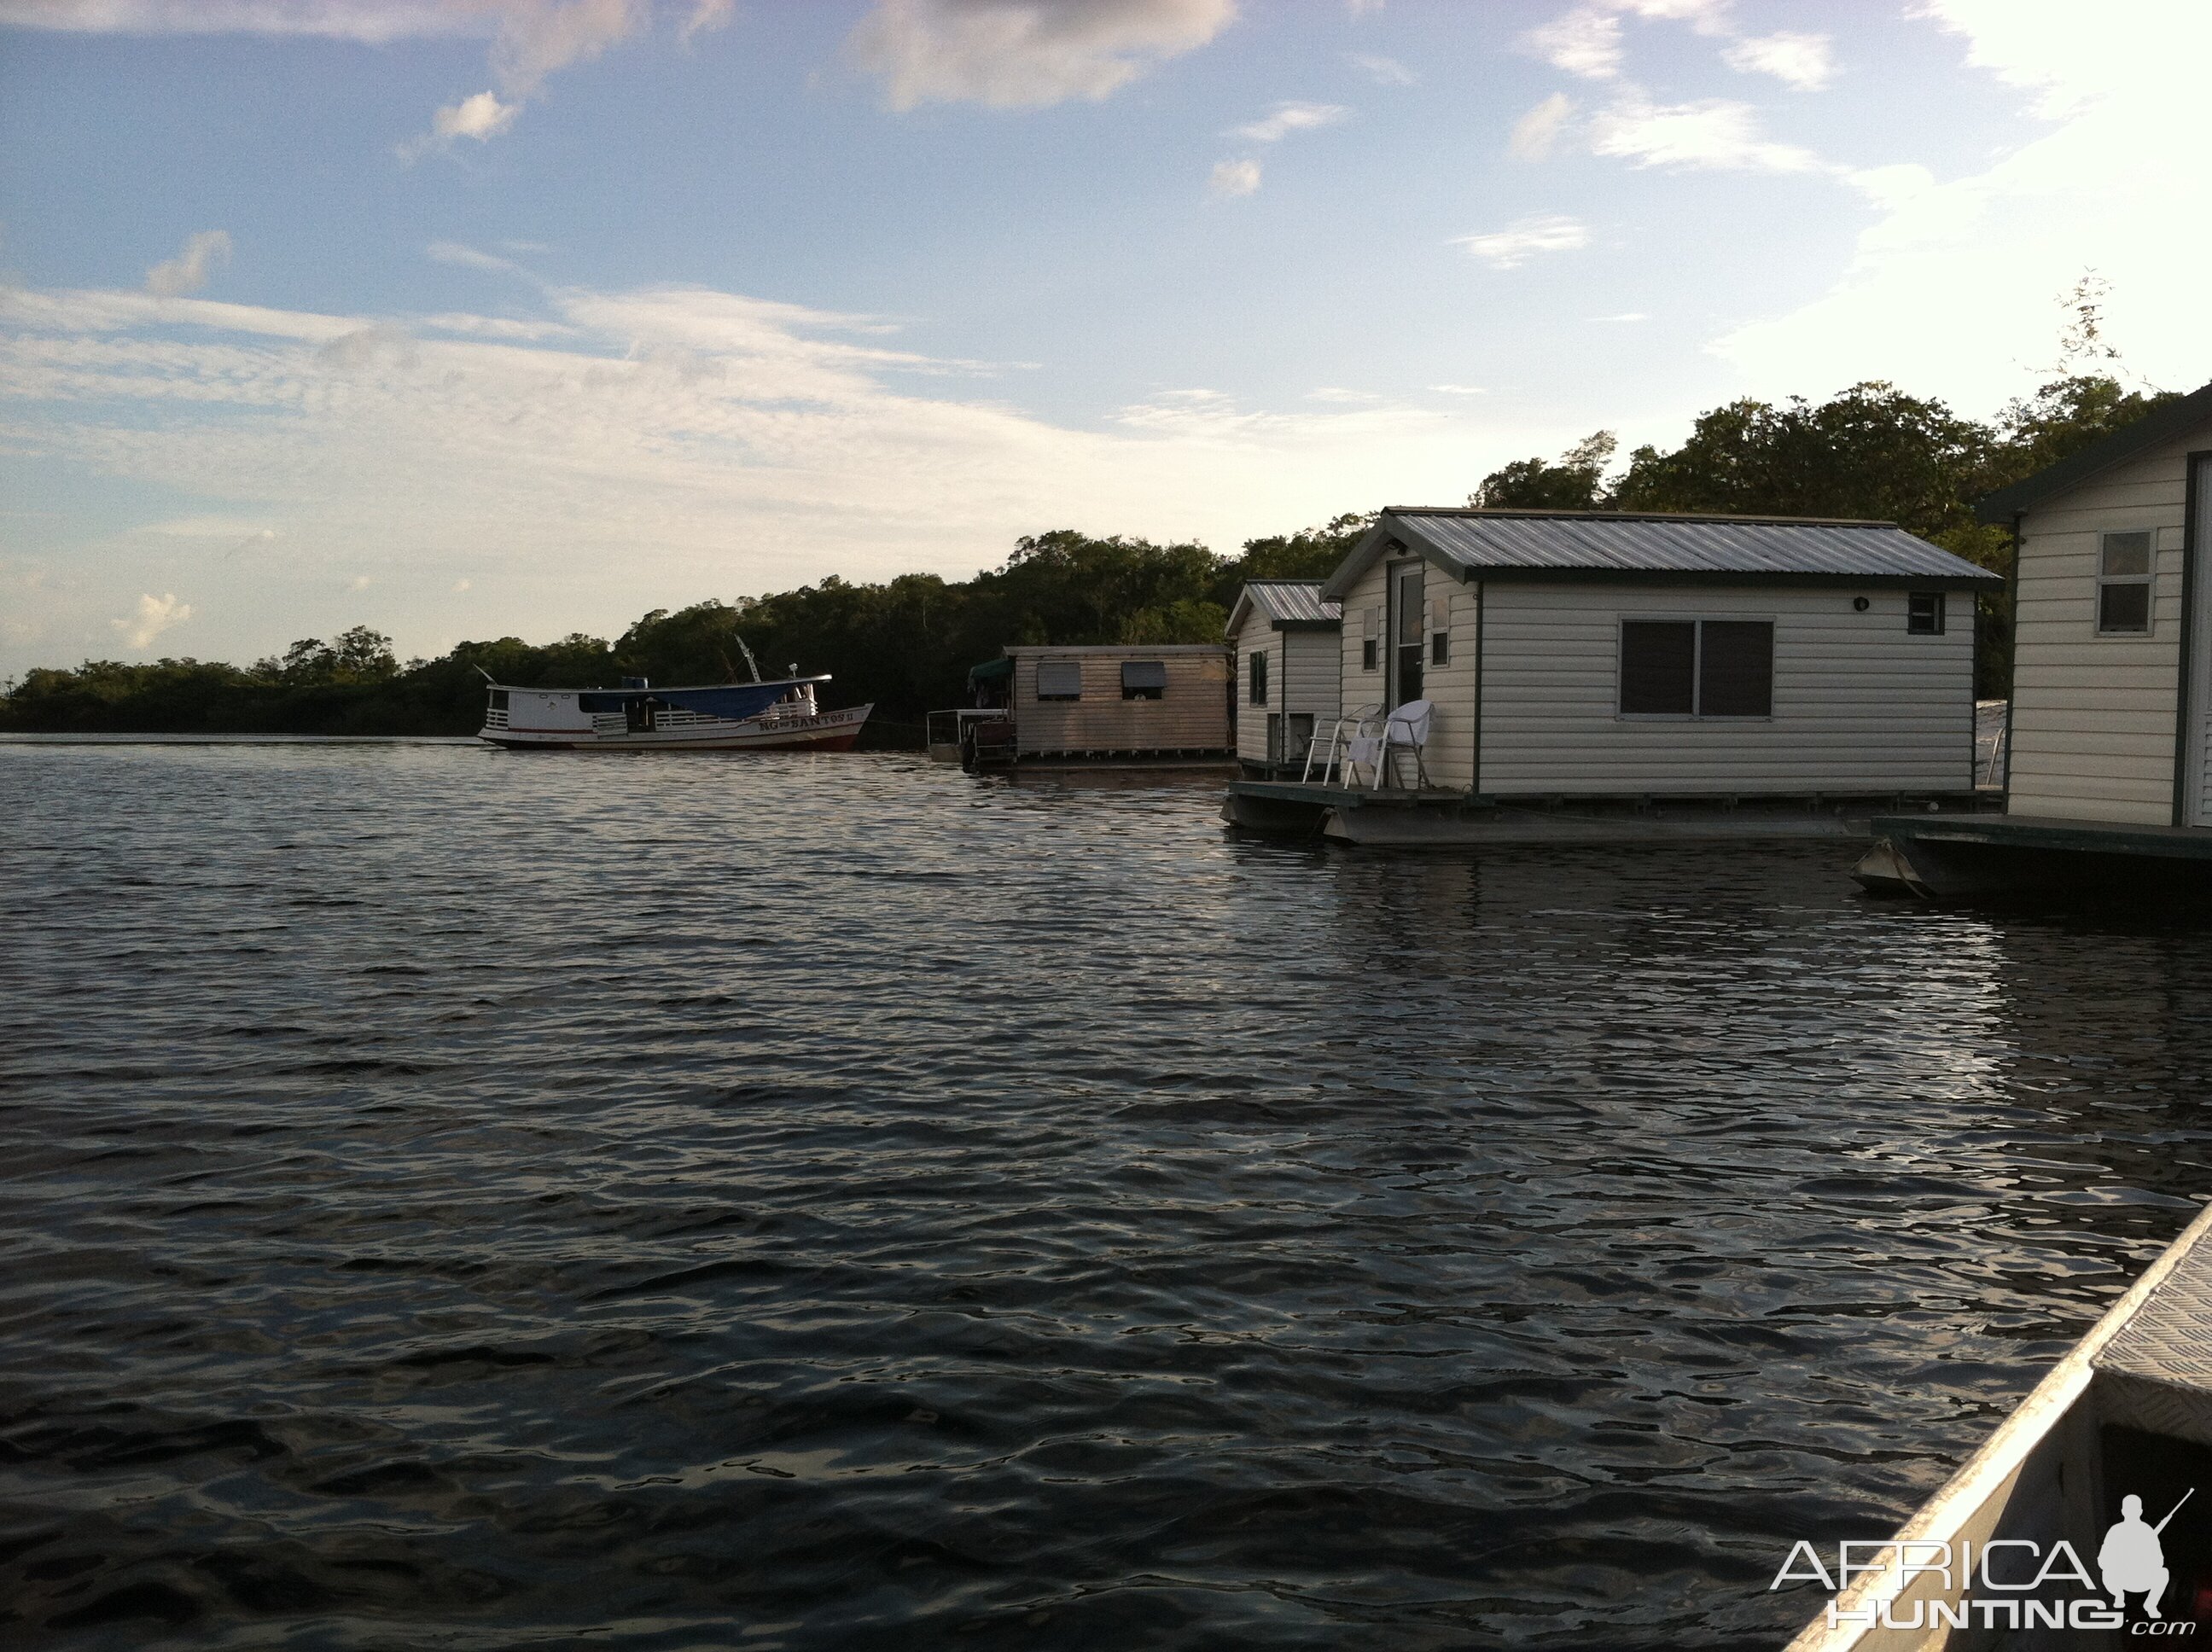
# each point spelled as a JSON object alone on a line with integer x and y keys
{"x": 2085, "y": 1520}
{"x": 779, "y": 715}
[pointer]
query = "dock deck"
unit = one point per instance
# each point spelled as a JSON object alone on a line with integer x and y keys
{"x": 1439, "y": 817}
{"x": 1993, "y": 856}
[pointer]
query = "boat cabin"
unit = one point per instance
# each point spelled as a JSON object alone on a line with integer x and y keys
{"x": 1287, "y": 672}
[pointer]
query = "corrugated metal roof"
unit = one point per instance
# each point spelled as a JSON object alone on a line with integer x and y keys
{"x": 1632, "y": 544}
{"x": 1291, "y": 599}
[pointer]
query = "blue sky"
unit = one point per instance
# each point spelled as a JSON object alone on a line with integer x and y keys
{"x": 462, "y": 318}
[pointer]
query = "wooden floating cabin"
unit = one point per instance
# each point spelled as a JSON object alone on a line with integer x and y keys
{"x": 2110, "y": 743}
{"x": 1284, "y": 635}
{"x": 1594, "y": 675}
{"x": 2126, "y": 1413}
{"x": 1120, "y": 704}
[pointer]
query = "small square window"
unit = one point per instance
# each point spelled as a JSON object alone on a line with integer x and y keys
{"x": 1059, "y": 679}
{"x": 2125, "y": 576}
{"x": 1923, "y": 613}
{"x": 1144, "y": 679}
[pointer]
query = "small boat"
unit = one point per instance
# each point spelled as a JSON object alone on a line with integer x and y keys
{"x": 2075, "y": 1524}
{"x": 782, "y": 715}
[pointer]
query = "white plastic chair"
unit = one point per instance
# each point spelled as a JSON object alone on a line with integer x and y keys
{"x": 1405, "y": 729}
{"x": 1360, "y": 722}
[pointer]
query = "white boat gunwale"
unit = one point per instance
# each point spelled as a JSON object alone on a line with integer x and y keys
{"x": 1969, "y": 1505}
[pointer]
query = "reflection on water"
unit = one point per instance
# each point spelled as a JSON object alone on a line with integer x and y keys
{"x": 460, "y": 1200}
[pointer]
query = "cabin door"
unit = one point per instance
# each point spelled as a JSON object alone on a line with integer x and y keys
{"x": 1405, "y": 617}
{"x": 2197, "y": 710}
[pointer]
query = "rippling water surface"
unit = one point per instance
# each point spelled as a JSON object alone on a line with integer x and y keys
{"x": 455, "y": 1199}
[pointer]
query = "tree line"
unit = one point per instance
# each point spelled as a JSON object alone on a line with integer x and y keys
{"x": 906, "y": 644}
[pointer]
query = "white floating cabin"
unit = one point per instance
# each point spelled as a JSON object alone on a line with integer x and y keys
{"x": 1289, "y": 664}
{"x": 1117, "y": 703}
{"x": 2108, "y": 747}
{"x": 1613, "y": 663}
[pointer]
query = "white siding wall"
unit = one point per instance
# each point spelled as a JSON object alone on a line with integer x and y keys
{"x": 1255, "y": 636}
{"x": 1860, "y": 705}
{"x": 1193, "y": 715}
{"x": 1450, "y": 755}
{"x": 1303, "y": 667}
{"x": 1312, "y": 663}
{"x": 2093, "y": 718}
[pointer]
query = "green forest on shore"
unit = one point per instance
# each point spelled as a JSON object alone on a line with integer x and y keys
{"x": 906, "y": 644}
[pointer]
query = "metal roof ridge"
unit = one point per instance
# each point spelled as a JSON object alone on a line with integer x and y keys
{"x": 1642, "y": 516}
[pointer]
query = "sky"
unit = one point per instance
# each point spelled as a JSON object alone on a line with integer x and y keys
{"x": 463, "y": 319}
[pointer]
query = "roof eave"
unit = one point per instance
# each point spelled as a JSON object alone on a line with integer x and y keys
{"x": 2160, "y": 425}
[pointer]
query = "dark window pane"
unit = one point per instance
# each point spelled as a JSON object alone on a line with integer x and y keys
{"x": 1259, "y": 679}
{"x": 1440, "y": 649}
{"x": 1923, "y": 612}
{"x": 1409, "y": 604}
{"x": 1059, "y": 679}
{"x": 2123, "y": 608}
{"x": 1367, "y": 655}
{"x": 2127, "y": 553}
{"x": 1658, "y": 666}
{"x": 1736, "y": 669}
{"x": 1144, "y": 673}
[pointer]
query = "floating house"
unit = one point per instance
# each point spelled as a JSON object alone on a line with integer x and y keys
{"x": 2110, "y": 743}
{"x": 1647, "y": 665}
{"x": 1115, "y": 702}
{"x": 1288, "y": 668}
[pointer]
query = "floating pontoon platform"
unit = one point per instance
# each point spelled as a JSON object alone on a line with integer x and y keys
{"x": 1442, "y": 818}
{"x": 1994, "y": 856}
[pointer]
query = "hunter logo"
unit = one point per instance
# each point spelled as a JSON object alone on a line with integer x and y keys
{"x": 1986, "y": 1585}
{"x": 2132, "y": 1560}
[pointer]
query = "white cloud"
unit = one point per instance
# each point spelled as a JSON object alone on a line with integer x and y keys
{"x": 467, "y": 257}
{"x": 153, "y": 616}
{"x": 1585, "y": 41}
{"x": 1459, "y": 390}
{"x": 1536, "y": 133}
{"x": 188, "y": 271}
{"x": 706, "y": 16}
{"x": 482, "y": 117}
{"x": 1023, "y": 53}
{"x": 531, "y": 40}
{"x": 1626, "y": 315}
{"x": 535, "y": 41}
{"x": 1805, "y": 61}
{"x": 1383, "y": 71}
{"x": 678, "y": 442}
{"x": 1711, "y": 134}
{"x": 371, "y": 22}
{"x": 1514, "y": 246}
{"x": 1288, "y": 118}
{"x": 1230, "y": 178}
{"x": 1340, "y": 397}
{"x": 1951, "y": 287}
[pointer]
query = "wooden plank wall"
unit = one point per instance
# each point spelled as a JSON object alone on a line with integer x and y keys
{"x": 1193, "y": 715}
{"x": 2093, "y": 718}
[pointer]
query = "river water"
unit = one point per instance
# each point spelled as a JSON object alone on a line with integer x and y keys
{"x": 456, "y": 1199}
